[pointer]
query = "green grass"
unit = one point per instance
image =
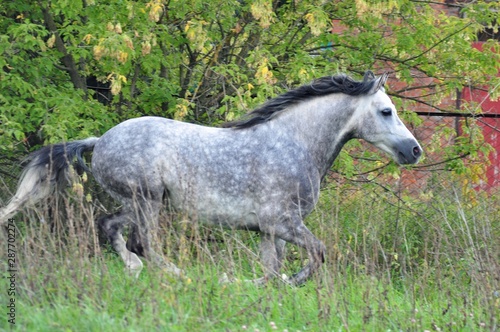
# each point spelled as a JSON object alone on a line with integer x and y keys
{"x": 106, "y": 299}
{"x": 414, "y": 265}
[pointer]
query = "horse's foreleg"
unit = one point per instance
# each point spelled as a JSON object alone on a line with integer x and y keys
{"x": 280, "y": 251}
{"x": 271, "y": 252}
{"x": 112, "y": 227}
{"x": 294, "y": 231}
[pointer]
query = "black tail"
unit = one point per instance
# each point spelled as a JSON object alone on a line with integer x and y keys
{"x": 57, "y": 158}
{"x": 46, "y": 168}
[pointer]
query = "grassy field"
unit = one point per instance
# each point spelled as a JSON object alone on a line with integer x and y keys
{"x": 429, "y": 263}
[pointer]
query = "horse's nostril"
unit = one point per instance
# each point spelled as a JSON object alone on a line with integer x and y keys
{"x": 416, "y": 151}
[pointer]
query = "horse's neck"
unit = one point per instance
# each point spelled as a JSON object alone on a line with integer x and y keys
{"x": 323, "y": 125}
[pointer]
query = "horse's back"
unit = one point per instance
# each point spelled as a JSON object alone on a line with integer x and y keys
{"x": 132, "y": 154}
{"x": 210, "y": 173}
{"x": 197, "y": 166}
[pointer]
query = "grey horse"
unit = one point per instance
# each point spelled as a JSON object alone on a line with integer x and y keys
{"x": 260, "y": 174}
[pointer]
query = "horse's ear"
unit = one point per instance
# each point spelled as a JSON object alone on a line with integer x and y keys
{"x": 379, "y": 82}
{"x": 369, "y": 76}
{"x": 383, "y": 79}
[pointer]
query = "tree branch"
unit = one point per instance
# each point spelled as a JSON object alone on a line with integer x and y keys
{"x": 67, "y": 59}
{"x": 436, "y": 44}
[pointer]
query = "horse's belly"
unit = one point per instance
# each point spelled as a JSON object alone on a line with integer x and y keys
{"x": 218, "y": 211}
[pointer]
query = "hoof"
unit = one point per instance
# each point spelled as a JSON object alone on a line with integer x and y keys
{"x": 226, "y": 280}
{"x": 133, "y": 265}
{"x": 170, "y": 268}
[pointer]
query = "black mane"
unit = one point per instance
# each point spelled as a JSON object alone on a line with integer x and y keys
{"x": 319, "y": 87}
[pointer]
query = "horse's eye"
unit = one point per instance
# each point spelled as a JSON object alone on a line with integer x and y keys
{"x": 386, "y": 112}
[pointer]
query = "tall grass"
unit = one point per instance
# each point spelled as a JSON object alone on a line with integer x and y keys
{"x": 395, "y": 262}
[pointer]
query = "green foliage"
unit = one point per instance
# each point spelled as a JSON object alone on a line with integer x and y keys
{"x": 71, "y": 69}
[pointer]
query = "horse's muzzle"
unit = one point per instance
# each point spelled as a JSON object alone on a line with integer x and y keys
{"x": 409, "y": 152}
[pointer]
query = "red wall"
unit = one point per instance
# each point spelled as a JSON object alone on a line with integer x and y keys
{"x": 491, "y": 126}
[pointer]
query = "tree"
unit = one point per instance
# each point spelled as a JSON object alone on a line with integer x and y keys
{"x": 73, "y": 69}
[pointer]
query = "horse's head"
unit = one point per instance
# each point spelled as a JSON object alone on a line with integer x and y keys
{"x": 380, "y": 125}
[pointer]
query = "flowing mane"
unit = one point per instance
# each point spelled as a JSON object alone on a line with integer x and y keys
{"x": 320, "y": 87}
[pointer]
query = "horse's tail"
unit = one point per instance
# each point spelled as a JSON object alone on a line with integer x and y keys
{"x": 47, "y": 168}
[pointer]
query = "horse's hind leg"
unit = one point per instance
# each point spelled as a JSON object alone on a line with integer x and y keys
{"x": 112, "y": 226}
{"x": 141, "y": 235}
{"x": 134, "y": 242}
